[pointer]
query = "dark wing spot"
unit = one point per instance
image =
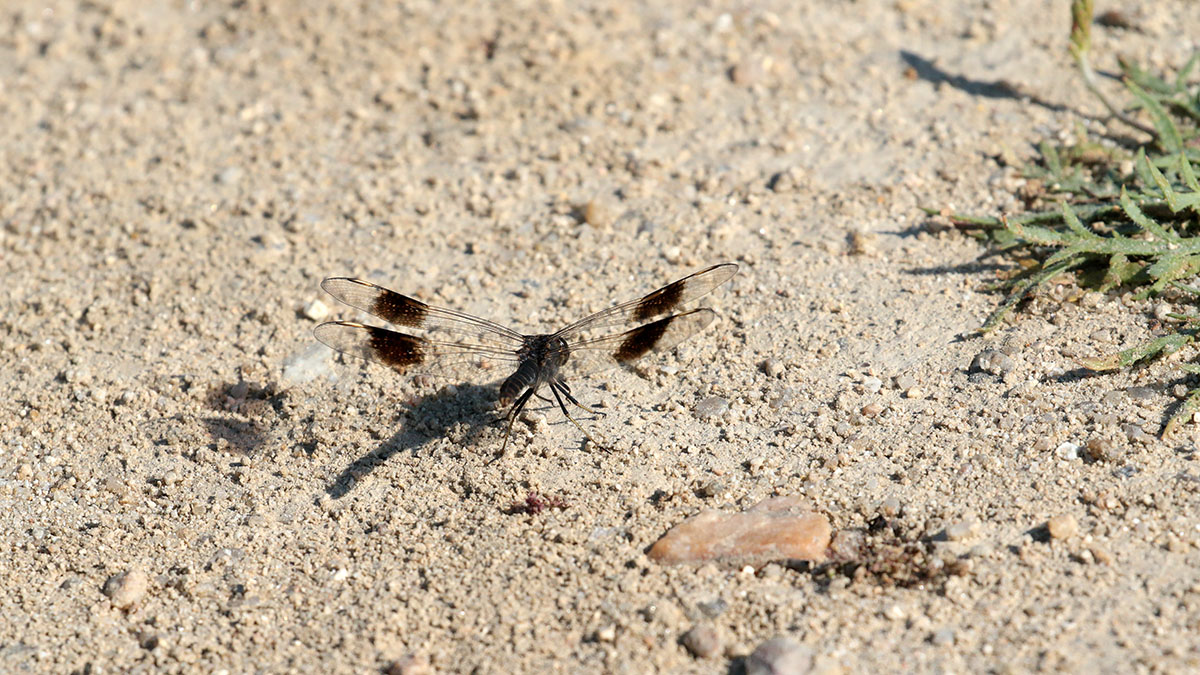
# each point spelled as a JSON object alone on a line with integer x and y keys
{"x": 659, "y": 302}
{"x": 642, "y": 339}
{"x": 396, "y": 349}
{"x": 399, "y": 309}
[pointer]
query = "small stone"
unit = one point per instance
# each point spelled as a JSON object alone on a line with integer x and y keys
{"x": 943, "y": 637}
{"x": 992, "y": 362}
{"x": 148, "y": 640}
{"x": 316, "y": 310}
{"x": 1063, "y": 526}
{"x": 786, "y": 181}
{"x": 1141, "y": 393}
{"x": 914, "y": 392}
{"x": 779, "y": 656}
{"x": 961, "y": 530}
{"x": 904, "y": 382}
{"x": 890, "y": 507}
{"x": 230, "y": 176}
{"x": 872, "y": 385}
{"x": 773, "y": 367}
{"x": 712, "y": 608}
{"x": 779, "y": 528}
{"x": 409, "y": 664}
{"x": 1101, "y": 555}
{"x": 871, "y": 410}
{"x": 746, "y": 74}
{"x": 1067, "y": 451}
{"x": 126, "y": 588}
{"x": 710, "y": 407}
{"x": 597, "y": 214}
{"x": 861, "y": 243}
{"x": 711, "y": 488}
{"x": 1102, "y": 450}
{"x": 606, "y": 634}
{"x": 703, "y": 641}
{"x": 1136, "y": 434}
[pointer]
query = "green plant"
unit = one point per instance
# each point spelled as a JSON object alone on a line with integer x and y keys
{"x": 1124, "y": 217}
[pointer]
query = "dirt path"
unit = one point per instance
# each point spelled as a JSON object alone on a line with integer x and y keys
{"x": 177, "y": 180}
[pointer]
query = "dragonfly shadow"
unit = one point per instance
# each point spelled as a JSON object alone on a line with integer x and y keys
{"x": 435, "y": 416}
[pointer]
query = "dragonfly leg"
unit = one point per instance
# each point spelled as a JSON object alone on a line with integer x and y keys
{"x": 566, "y": 391}
{"x": 512, "y": 416}
{"x": 554, "y": 387}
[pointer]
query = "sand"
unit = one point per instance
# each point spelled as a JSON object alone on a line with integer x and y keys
{"x": 190, "y": 482}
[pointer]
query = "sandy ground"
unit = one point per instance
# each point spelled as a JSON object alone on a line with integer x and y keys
{"x": 179, "y": 177}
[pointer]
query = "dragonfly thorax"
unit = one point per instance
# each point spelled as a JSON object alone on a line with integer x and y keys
{"x": 541, "y": 357}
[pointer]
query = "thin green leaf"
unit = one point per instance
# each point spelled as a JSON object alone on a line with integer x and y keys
{"x": 1186, "y": 288}
{"x": 1168, "y": 134}
{"x": 1168, "y": 344}
{"x": 1187, "y": 410}
{"x": 1182, "y": 76}
{"x": 1135, "y": 214}
{"x": 1072, "y": 221}
{"x": 1050, "y": 157}
{"x": 1185, "y": 170}
{"x": 1145, "y": 79}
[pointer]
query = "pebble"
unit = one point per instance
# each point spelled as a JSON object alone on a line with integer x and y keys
{"x": 711, "y": 488}
{"x": 1101, "y": 555}
{"x": 779, "y": 528}
{"x": 703, "y": 641}
{"x": 316, "y": 310}
{"x": 914, "y": 392}
{"x": 597, "y": 214}
{"x": 1067, "y": 451}
{"x": 992, "y": 362}
{"x": 712, "y": 608}
{"x": 773, "y": 367}
{"x": 710, "y": 407}
{"x": 779, "y": 656}
{"x": 410, "y": 664}
{"x": 126, "y": 588}
{"x": 961, "y": 530}
{"x": 148, "y": 640}
{"x": 1136, "y": 434}
{"x": 746, "y": 74}
{"x": 606, "y": 634}
{"x": 943, "y": 637}
{"x": 872, "y": 385}
{"x": 1101, "y": 450}
{"x": 905, "y": 382}
{"x": 230, "y": 176}
{"x": 1141, "y": 393}
{"x": 871, "y": 409}
{"x": 1063, "y": 526}
{"x": 786, "y": 181}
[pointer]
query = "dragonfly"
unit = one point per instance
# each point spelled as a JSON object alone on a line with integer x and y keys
{"x": 458, "y": 345}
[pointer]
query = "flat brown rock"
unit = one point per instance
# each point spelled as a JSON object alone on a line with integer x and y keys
{"x": 781, "y": 528}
